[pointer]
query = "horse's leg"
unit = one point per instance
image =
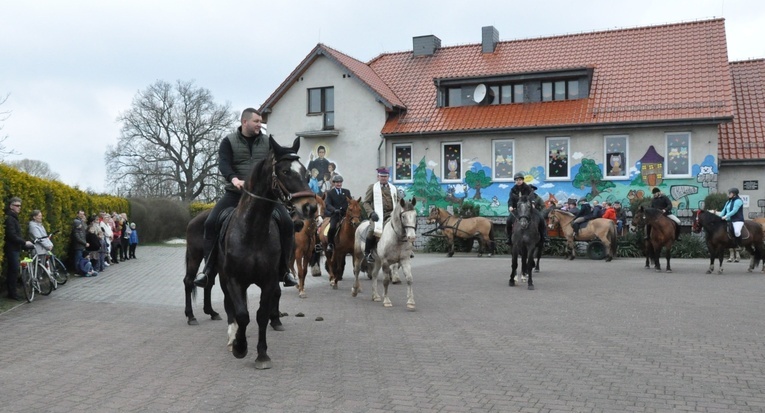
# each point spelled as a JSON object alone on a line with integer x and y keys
{"x": 241, "y": 316}
{"x": 208, "y": 299}
{"x": 669, "y": 256}
{"x": 571, "y": 246}
{"x": 394, "y": 273}
{"x": 479, "y": 238}
{"x": 406, "y": 267}
{"x": 450, "y": 240}
{"x": 262, "y": 316}
{"x": 315, "y": 263}
{"x": 375, "y": 272}
{"x": 193, "y": 261}
{"x": 358, "y": 256}
{"x": 515, "y": 267}
{"x": 530, "y": 266}
{"x": 720, "y": 255}
{"x": 274, "y": 313}
{"x": 657, "y": 258}
{"x": 386, "y": 282}
{"x": 711, "y": 259}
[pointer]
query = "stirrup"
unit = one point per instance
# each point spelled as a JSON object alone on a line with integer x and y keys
{"x": 369, "y": 258}
{"x": 201, "y": 280}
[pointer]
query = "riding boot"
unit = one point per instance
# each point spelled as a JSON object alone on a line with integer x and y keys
{"x": 369, "y": 246}
{"x": 331, "y": 238}
{"x": 206, "y": 274}
{"x": 647, "y": 232}
{"x": 737, "y": 241}
{"x": 543, "y": 233}
{"x": 287, "y": 236}
{"x": 677, "y": 232}
{"x": 509, "y": 229}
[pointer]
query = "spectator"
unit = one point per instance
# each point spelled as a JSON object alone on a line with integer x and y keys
{"x": 13, "y": 245}
{"x": 117, "y": 241}
{"x": 125, "y": 241}
{"x": 85, "y": 267}
{"x": 79, "y": 243}
{"x": 37, "y": 231}
{"x": 107, "y": 227}
{"x": 133, "y": 240}
{"x": 571, "y": 206}
{"x": 609, "y": 212}
{"x": 621, "y": 217}
{"x": 93, "y": 236}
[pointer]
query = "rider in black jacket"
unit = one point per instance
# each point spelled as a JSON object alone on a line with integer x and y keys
{"x": 520, "y": 189}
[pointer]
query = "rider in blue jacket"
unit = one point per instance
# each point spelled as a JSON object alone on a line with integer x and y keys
{"x": 733, "y": 213}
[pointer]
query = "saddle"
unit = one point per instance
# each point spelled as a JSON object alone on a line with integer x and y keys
{"x": 745, "y": 234}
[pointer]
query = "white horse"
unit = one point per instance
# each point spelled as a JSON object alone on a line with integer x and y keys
{"x": 395, "y": 247}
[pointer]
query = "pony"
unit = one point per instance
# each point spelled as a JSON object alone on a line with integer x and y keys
{"x": 395, "y": 247}
{"x": 251, "y": 246}
{"x": 346, "y": 231}
{"x": 718, "y": 239}
{"x": 305, "y": 243}
{"x": 601, "y": 228}
{"x": 468, "y": 228}
{"x": 526, "y": 240}
{"x": 662, "y": 235}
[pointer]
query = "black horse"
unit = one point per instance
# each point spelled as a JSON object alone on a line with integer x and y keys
{"x": 719, "y": 239}
{"x": 526, "y": 239}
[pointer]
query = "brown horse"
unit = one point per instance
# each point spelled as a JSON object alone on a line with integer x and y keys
{"x": 601, "y": 228}
{"x": 346, "y": 231}
{"x": 468, "y": 228}
{"x": 305, "y": 243}
{"x": 718, "y": 239}
{"x": 662, "y": 234}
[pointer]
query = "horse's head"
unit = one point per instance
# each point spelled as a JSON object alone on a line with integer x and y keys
{"x": 289, "y": 179}
{"x": 433, "y": 217}
{"x": 524, "y": 211}
{"x": 408, "y": 217}
{"x": 353, "y": 213}
{"x": 554, "y": 220}
{"x": 638, "y": 220}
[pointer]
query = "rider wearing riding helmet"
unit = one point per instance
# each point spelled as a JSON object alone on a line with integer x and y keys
{"x": 335, "y": 205}
{"x": 662, "y": 202}
{"x": 520, "y": 189}
{"x": 733, "y": 212}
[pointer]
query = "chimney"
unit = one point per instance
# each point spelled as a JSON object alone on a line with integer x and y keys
{"x": 425, "y": 45}
{"x": 489, "y": 38}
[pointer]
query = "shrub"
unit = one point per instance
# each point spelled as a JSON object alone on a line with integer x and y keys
{"x": 715, "y": 201}
{"x": 630, "y": 245}
{"x": 690, "y": 246}
{"x": 159, "y": 219}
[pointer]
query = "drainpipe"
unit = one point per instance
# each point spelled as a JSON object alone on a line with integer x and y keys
{"x": 379, "y": 153}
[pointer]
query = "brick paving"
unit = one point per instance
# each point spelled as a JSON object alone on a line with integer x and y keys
{"x": 593, "y": 337}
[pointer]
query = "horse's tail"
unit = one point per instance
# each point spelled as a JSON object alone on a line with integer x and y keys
{"x": 612, "y": 239}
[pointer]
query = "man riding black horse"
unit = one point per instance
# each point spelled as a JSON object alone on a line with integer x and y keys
{"x": 335, "y": 205}
{"x": 522, "y": 188}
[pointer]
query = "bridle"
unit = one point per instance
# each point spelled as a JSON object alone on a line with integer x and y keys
{"x": 402, "y": 238}
{"x": 282, "y": 193}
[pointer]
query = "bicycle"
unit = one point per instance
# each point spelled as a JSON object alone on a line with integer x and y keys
{"x": 32, "y": 279}
{"x": 54, "y": 265}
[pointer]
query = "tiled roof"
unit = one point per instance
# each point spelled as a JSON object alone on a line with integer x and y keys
{"x": 744, "y": 137}
{"x": 359, "y": 69}
{"x": 661, "y": 73}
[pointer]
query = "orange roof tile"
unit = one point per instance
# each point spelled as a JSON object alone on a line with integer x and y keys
{"x": 744, "y": 137}
{"x": 659, "y": 73}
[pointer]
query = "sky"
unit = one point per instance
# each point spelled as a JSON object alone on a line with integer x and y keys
{"x": 70, "y": 68}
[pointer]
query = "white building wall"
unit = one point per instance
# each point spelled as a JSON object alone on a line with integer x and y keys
{"x": 358, "y": 118}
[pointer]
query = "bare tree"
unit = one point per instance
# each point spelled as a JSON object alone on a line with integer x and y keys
{"x": 168, "y": 145}
{"x": 4, "y": 115}
{"x": 36, "y": 168}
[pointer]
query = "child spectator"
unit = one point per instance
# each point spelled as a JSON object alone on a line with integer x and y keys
{"x": 133, "y": 240}
{"x": 86, "y": 267}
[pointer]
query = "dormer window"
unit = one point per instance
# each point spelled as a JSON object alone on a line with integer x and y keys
{"x": 560, "y": 90}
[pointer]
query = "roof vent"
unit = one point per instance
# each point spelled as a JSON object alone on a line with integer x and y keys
{"x": 489, "y": 39}
{"x": 425, "y": 45}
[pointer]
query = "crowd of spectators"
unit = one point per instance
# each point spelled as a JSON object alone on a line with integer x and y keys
{"x": 102, "y": 240}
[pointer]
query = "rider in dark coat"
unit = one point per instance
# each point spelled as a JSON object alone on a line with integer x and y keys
{"x": 520, "y": 189}
{"x": 662, "y": 202}
{"x": 584, "y": 215}
{"x": 335, "y": 205}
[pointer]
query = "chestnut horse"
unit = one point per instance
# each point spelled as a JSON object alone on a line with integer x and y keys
{"x": 468, "y": 228}
{"x": 718, "y": 239}
{"x": 305, "y": 243}
{"x": 346, "y": 230}
{"x": 601, "y": 228}
{"x": 662, "y": 234}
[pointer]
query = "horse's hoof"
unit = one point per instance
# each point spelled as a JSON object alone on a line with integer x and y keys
{"x": 215, "y": 316}
{"x": 608, "y": 259}
{"x": 334, "y": 286}
{"x": 354, "y": 292}
{"x": 410, "y": 307}
{"x": 377, "y": 299}
{"x": 536, "y": 269}
{"x": 450, "y": 254}
{"x": 720, "y": 271}
{"x": 277, "y": 327}
{"x": 658, "y": 269}
{"x": 668, "y": 270}
{"x": 237, "y": 352}
{"x": 648, "y": 267}
{"x": 512, "y": 283}
{"x": 571, "y": 258}
{"x": 263, "y": 363}
{"x": 193, "y": 321}
{"x": 531, "y": 286}
{"x": 396, "y": 281}
{"x": 749, "y": 270}
{"x": 302, "y": 294}
{"x": 709, "y": 271}
{"x": 387, "y": 305}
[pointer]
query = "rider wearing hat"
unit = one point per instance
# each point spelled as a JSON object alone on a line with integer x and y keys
{"x": 662, "y": 202}
{"x": 378, "y": 202}
{"x": 583, "y": 215}
{"x": 520, "y": 189}
{"x": 733, "y": 212}
{"x": 336, "y": 203}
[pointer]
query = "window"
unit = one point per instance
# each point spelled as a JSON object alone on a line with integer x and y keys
{"x": 560, "y": 90}
{"x": 503, "y": 154}
{"x": 678, "y": 155}
{"x": 615, "y": 157}
{"x": 511, "y": 93}
{"x": 403, "y": 162}
{"x": 557, "y": 159}
{"x": 321, "y": 101}
{"x": 451, "y": 169}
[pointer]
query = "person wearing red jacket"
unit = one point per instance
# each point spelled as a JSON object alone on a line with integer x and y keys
{"x": 610, "y": 212}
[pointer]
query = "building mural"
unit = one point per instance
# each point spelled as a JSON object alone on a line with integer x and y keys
{"x": 478, "y": 188}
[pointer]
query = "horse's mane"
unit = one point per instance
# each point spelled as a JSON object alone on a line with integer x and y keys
{"x": 259, "y": 169}
{"x": 562, "y": 212}
{"x": 652, "y": 213}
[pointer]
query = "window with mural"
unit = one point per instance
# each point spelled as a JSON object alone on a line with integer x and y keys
{"x": 678, "y": 155}
{"x": 616, "y": 154}
{"x": 403, "y": 162}
{"x": 451, "y": 170}
{"x": 557, "y": 158}
{"x": 503, "y": 155}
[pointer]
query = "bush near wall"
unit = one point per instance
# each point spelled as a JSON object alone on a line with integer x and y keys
{"x": 159, "y": 219}
{"x": 715, "y": 201}
{"x": 59, "y": 204}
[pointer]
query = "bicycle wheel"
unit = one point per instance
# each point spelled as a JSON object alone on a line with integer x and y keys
{"x": 58, "y": 270}
{"x": 44, "y": 279}
{"x": 28, "y": 281}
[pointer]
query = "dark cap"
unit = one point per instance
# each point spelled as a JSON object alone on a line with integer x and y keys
{"x": 337, "y": 178}
{"x": 383, "y": 171}
{"x": 655, "y": 190}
